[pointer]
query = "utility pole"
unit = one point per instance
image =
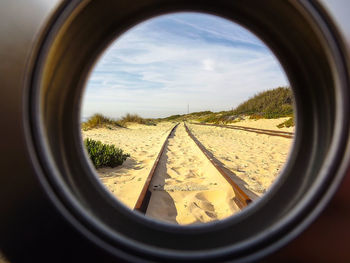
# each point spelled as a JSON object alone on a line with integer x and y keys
{"x": 188, "y": 108}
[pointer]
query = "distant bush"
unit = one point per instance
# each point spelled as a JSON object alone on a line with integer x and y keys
{"x": 256, "y": 116}
{"x": 132, "y": 118}
{"x": 275, "y": 103}
{"x": 98, "y": 121}
{"x": 189, "y": 116}
{"x": 136, "y": 119}
{"x": 199, "y": 113}
{"x": 270, "y": 104}
{"x": 288, "y": 123}
{"x": 210, "y": 118}
{"x": 171, "y": 118}
{"x": 104, "y": 155}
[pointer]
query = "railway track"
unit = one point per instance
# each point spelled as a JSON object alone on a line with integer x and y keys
{"x": 145, "y": 195}
{"x": 241, "y": 199}
{"x": 284, "y": 134}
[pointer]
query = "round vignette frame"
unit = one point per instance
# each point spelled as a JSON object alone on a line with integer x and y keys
{"x": 292, "y": 223}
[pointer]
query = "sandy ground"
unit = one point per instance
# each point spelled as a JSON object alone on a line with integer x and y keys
{"x": 268, "y": 124}
{"x": 187, "y": 189}
{"x": 143, "y": 144}
{"x": 254, "y": 160}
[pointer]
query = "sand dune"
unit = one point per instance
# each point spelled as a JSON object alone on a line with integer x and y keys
{"x": 186, "y": 188}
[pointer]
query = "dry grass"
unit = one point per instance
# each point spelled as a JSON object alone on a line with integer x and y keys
{"x": 134, "y": 118}
{"x": 99, "y": 121}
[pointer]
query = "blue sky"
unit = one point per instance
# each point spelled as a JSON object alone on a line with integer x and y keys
{"x": 160, "y": 66}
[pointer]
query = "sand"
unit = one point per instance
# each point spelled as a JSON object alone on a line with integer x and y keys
{"x": 256, "y": 159}
{"x": 143, "y": 143}
{"x": 186, "y": 188}
{"x": 268, "y": 124}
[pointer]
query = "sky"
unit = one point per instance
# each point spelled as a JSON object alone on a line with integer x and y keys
{"x": 159, "y": 67}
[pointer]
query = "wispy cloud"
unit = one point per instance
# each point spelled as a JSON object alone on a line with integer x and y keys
{"x": 165, "y": 63}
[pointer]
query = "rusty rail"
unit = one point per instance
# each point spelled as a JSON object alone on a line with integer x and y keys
{"x": 241, "y": 198}
{"x": 284, "y": 134}
{"x": 145, "y": 196}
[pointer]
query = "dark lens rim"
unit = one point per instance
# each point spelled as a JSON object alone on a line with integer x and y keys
{"x": 304, "y": 41}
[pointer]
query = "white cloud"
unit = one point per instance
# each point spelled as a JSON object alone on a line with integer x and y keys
{"x": 160, "y": 66}
{"x": 208, "y": 64}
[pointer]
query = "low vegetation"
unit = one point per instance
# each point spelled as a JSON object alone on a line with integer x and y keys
{"x": 275, "y": 103}
{"x": 269, "y": 104}
{"x": 104, "y": 155}
{"x": 100, "y": 121}
{"x": 184, "y": 117}
{"x": 211, "y": 118}
{"x": 134, "y": 118}
{"x": 172, "y": 118}
{"x": 288, "y": 123}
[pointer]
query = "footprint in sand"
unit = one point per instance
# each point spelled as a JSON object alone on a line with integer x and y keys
{"x": 202, "y": 209}
{"x": 127, "y": 179}
{"x": 175, "y": 169}
{"x": 192, "y": 174}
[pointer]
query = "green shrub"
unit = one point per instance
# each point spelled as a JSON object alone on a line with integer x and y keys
{"x": 270, "y": 104}
{"x": 256, "y": 117}
{"x": 172, "y": 117}
{"x": 210, "y": 118}
{"x": 288, "y": 123}
{"x": 103, "y": 155}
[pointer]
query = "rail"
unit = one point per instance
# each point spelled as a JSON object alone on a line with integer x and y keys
{"x": 241, "y": 198}
{"x": 145, "y": 196}
{"x": 284, "y": 134}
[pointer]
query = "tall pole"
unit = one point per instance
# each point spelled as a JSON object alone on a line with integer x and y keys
{"x": 188, "y": 108}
